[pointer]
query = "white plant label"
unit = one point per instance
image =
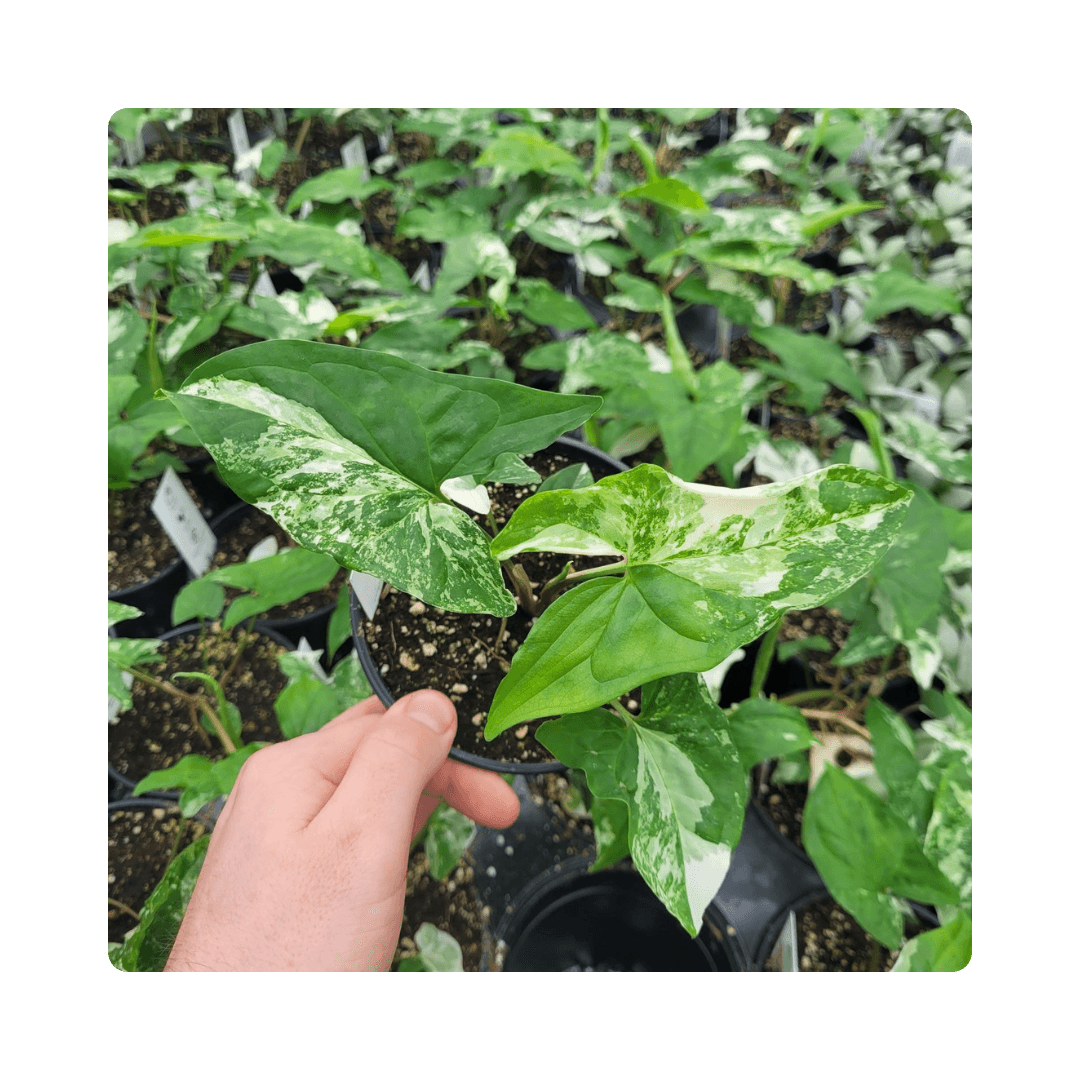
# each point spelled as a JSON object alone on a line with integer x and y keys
{"x": 422, "y": 277}
{"x": 184, "y": 523}
{"x": 264, "y": 286}
{"x": 238, "y": 136}
{"x": 277, "y": 117}
{"x": 368, "y": 590}
{"x": 353, "y": 155}
{"x": 310, "y": 657}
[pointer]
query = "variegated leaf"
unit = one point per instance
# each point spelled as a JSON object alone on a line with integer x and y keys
{"x": 707, "y": 569}
{"x": 677, "y": 769}
{"x": 347, "y": 449}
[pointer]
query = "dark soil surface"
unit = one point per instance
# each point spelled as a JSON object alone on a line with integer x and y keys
{"x": 140, "y": 845}
{"x": 450, "y": 905}
{"x": 159, "y": 729}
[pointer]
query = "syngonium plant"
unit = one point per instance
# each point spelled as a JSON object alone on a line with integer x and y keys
{"x": 361, "y": 455}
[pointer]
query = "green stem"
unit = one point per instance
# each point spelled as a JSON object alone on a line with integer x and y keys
{"x": 816, "y": 139}
{"x": 124, "y": 908}
{"x": 764, "y": 660}
{"x": 804, "y": 696}
{"x": 564, "y": 581}
{"x": 157, "y": 380}
{"x": 626, "y": 717}
{"x": 192, "y": 699}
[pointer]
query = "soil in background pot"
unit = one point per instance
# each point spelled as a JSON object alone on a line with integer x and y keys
{"x": 159, "y": 730}
{"x": 141, "y": 842}
{"x": 139, "y": 548}
{"x": 451, "y": 906}
{"x": 415, "y": 646}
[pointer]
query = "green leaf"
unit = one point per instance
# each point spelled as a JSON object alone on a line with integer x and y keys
{"x": 573, "y": 476}
{"x": 199, "y": 780}
{"x": 438, "y": 951}
{"x": 298, "y": 242}
{"x": 308, "y": 702}
{"x": 447, "y": 836}
{"x": 868, "y": 856}
{"x": 810, "y": 355}
{"x": 442, "y": 223}
{"x": 148, "y": 946}
{"x": 125, "y": 653}
{"x": 275, "y": 580}
{"x": 611, "y": 829}
{"x": 948, "y": 833}
{"x": 339, "y": 629}
{"x": 119, "y": 612}
{"x": 537, "y": 300}
{"x": 708, "y": 569}
{"x": 516, "y": 151}
{"x": 736, "y": 309}
{"x": 183, "y": 334}
{"x": 898, "y": 767}
{"x": 682, "y": 117}
{"x": 127, "y": 336}
{"x": 764, "y": 730}
{"x": 202, "y": 598}
{"x": 189, "y": 229}
{"x": 948, "y": 948}
{"x": 420, "y": 341}
{"x": 668, "y": 192}
{"x": 335, "y": 186}
{"x": 785, "y": 650}
{"x": 677, "y": 769}
{"x": 273, "y": 154}
{"x": 636, "y": 294}
{"x": 826, "y": 219}
{"x": 931, "y": 447}
{"x": 347, "y": 449}
{"x": 425, "y": 174}
{"x": 892, "y": 290}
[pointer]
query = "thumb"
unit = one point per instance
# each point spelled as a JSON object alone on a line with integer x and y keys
{"x": 398, "y": 754}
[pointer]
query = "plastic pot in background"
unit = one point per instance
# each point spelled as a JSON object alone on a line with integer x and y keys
{"x": 602, "y": 465}
{"x": 154, "y": 598}
{"x": 609, "y": 921}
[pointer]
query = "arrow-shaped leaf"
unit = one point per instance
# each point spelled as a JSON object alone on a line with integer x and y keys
{"x": 677, "y": 769}
{"x": 347, "y": 449}
{"x": 707, "y": 570}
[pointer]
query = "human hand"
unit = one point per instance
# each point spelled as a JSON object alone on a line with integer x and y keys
{"x": 306, "y": 866}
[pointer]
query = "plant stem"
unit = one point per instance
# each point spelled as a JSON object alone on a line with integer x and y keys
{"x": 124, "y": 908}
{"x": 764, "y": 660}
{"x": 556, "y": 585}
{"x": 804, "y": 696}
{"x": 626, "y": 717}
{"x": 248, "y": 628}
{"x": 304, "y": 127}
{"x": 196, "y": 699}
{"x": 519, "y": 580}
{"x": 157, "y": 380}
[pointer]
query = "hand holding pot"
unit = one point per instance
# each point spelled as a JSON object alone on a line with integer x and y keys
{"x": 306, "y": 867}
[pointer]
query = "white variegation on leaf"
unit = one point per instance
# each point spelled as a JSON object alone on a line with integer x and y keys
{"x": 677, "y": 768}
{"x": 707, "y": 569}
{"x": 465, "y": 492}
{"x": 348, "y": 450}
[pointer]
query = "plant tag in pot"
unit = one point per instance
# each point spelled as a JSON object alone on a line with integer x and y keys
{"x": 264, "y": 286}
{"x": 239, "y": 138}
{"x": 353, "y": 155}
{"x": 422, "y": 277}
{"x": 368, "y": 590}
{"x": 184, "y": 524}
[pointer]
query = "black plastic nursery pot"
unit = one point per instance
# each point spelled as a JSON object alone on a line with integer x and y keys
{"x": 609, "y": 921}
{"x": 154, "y": 597}
{"x": 132, "y": 752}
{"x": 389, "y": 679}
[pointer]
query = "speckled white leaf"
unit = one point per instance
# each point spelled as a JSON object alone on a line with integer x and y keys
{"x": 677, "y": 769}
{"x": 708, "y": 569}
{"x": 347, "y": 449}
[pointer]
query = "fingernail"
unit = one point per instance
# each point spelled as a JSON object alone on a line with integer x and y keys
{"x": 434, "y": 712}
